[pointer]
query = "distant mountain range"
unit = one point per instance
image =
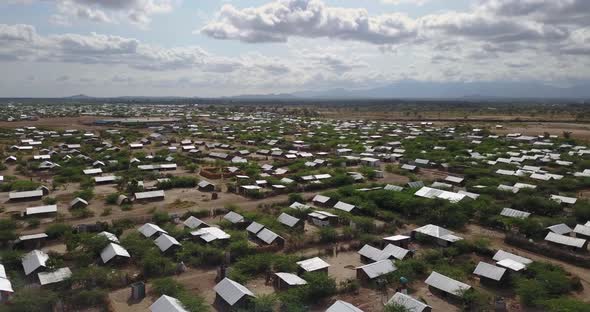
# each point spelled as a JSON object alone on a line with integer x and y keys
{"x": 410, "y": 89}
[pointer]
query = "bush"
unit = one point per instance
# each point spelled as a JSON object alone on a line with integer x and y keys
{"x": 49, "y": 201}
{"x": 327, "y": 235}
{"x": 111, "y": 199}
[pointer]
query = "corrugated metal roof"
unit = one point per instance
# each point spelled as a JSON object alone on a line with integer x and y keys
{"x": 112, "y": 250}
{"x": 438, "y": 232}
{"x": 379, "y": 268}
{"x": 391, "y": 187}
{"x": 110, "y": 236}
{"x": 209, "y": 234}
{"x": 313, "y": 264}
{"x": 34, "y": 260}
{"x": 5, "y": 284}
{"x": 582, "y": 229}
{"x": 148, "y": 230}
{"x": 254, "y": 227}
{"x": 343, "y": 306}
{"x": 165, "y": 241}
{"x": 149, "y": 195}
{"x": 511, "y": 264}
{"x": 56, "y": 276}
{"x": 41, "y": 209}
{"x": 565, "y": 240}
{"x": 233, "y": 217}
{"x": 513, "y": 213}
{"x": 291, "y": 279}
{"x": 267, "y": 236}
{"x": 167, "y": 304}
{"x": 193, "y": 222}
{"x": 288, "y": 220}
{"x": 561, "y": 228}
{"x": 501, "y": 255}
{"x": 26, "y": 194}
{"x": 446, "y": 284}
{"x": 344, "y": 206}
{"x": 411, "y": 304}
{"x": 32, "y": 236}
{"x": 490, "y": 271}
{"x": 564, "y": 199}
{"x": 231, "y": 291}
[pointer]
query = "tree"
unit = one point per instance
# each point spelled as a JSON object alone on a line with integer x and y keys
{"x": 32, "y": 300}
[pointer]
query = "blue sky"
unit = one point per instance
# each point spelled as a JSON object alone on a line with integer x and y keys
{"x": 217, "y": 48}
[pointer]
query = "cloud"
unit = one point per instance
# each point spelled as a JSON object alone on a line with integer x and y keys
{"x": 279, "y": 20}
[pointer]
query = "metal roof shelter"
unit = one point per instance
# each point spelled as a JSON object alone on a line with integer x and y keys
{"x": 565, "y": 240}
{"x": 446, "y": 284}
{"x": 288, "y": 220}
{"x": 210, "y": 234}
{"x": 395, "y": 188}
{"x": 379, "y": 268}
{"x": 149, "y": 229}
{"x": 149, "y": 195}
{"x": 167, "y": 304}
{"x": 561, "y": 229}
{"x": 232, "y": 291}
{"x": 511, "y": 264}
{"x": 429, "y": 192}
{"x": 410, "y": 303}
{"x": 34, "y": 260}
{"x": 564, "y": 199}
{"x": 234, "y": 217}
{"x": 268, "y": 236}
{"x": 489, "y": 271}
{"x": 113, "y": 250}
{"x": 501, "y": 255}
{"x": 344, "y": 206}
{"x": 438, "y": 232}
{"x": 343, "y": 306}
{"x": 313, "y": 264}
{"x": 513, "y": 213}
{"x": 41, "y": 210}
{"x": 193, "y": 222}
{"x": 165, "y": 241}
{"x": 5, "y": 284}
{"x": 25, "y": 195}
{"x": 254, "y": 227}
{"x": 291, "y": 279}
{"x": 56, "y": 276}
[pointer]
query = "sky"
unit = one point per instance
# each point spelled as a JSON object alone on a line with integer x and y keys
{"x": 52, "y": 48}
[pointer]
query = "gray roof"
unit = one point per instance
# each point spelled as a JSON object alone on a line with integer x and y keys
{"x": 165, "y": 241}
{"x": 231, "y": 291}
{"x": 55, "y": 276}
{"x": 148, "y": 230}
{"x": 233, "y": 217}
{"x": 490, "y": 271}
{"x": 26, "y": 194}
{"x": 344, "y": 206}
{"x": 446, "y": 284}
{"x": 209, "y": 234}
{"x": 379, "y": 268}
{"x": 34, "y": 260}
{"x": 313, "y": 264}
{"x": 565, "y": 240}
{"x": 41, "y": 209}
{"x": 561, "y": 228}
{"x": 411, "y": 304}
{"x": 390, "y": 187}
{"x": 288, "y": 220}
{"x": 112, "y": 250}
{"x": 149, "y": 195}
{"x": 193, "y": 222}
{"x": 582, "y": 229}
{"x": 167, "y": 304}
{"x": 343, "y": 306}
{"x": 254, "y": 227}
{"x": 267, "y": 236}
{"x": 291, "y": 278}
{"x": 321, "y": 199}
{"x": 501, "y": 255}
{"x": 513, "y": 213}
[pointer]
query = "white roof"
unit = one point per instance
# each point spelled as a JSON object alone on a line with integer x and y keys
{"x": 26, "y": 194}
{"x": 150, "y": 194}
{"x": 254, "y": 227}
{"x": 582, "y": 229}
{"x": 446, "y": 284}
{"x": 233, "y": 217}
{"x": 344, "y": 206}
{"x": 41, "y": 209}
{"x": 112, "y": 250}
{"x": 489, "y": 270}
{"x": 287, "y": 219}
{"x": 110, "y": 236}
{"x": 291, "y": 279}
{"x": 92, "y": 171}
{"x": 313, "y": 264}
{"x": 561, "y": 228}
{"x": 438, "y": 232}
{"x": 165, "y": 241}
{"x": 565, "y": 240}
{"x": 343, "y": 306}
{"x": 564, "y": 199}
{"x": 32, "y": 236}
{"x": 411, "y": 304}
{"x": 379, "y": 268}
{"x": 209, "y": 234}
{"x": 396, "y": 238}
{"x": 167, "y": 304}
{"x": 148, "y": 230}
{"x": 321, "y": 198}
{"x": 511, "y": 264}
{"x": 5, "y": 284}
{"x": 193, "y": 222}
{"x": 34, "y": 260}
{"x": 513, "y": 213}
{"x": 231, "y": 291}
{"x": 55, "y": 276}
{"x": 501, "y": 255}
{"x": 428, "y": 192}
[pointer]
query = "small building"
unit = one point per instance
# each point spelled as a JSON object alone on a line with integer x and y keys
{"x": 446, "y": 285}
{"x": 290, "y": 221}
{"x": 270, "y": 238}
{"x": 285, "y": 281}
{"x": 41, "y": 211}
{"x": 561, "y": 229}
{"x": 315, "y": 264}
{"x": 165, "y": 242}
{"x": 34, "y": 260}
{"x": 322, "y": 218}
{"x": 582, "y": 231}
{"x": 409, "y": 303}
{"x": 322, "y": 201}
{"x": 167, "y": 304}
{"x": 231, "y": 295}
{"x": 210, "y": 234}
{"x": 575, "y": 244}
{"x": 234, "y": 218}
{"x": 441, "y": 236}
{"x": 149, "y": 196}
{"x": 345, "y": 207}
{"x": 343, "y": 306}
{"x": 26, "y": 195}
{"x": 78, "y": 202}
{"x": 5, "y": 285}
{"x": 374, "y": 270}
{"x": 194, "y": 223}
{"x": 513, "y": 213}
{"x": 149, "y": 229}
{"x": 205, "y": 186}
{"x": 254, "y": 228}
{"x": 57, "y": 276}
{"x": 489, "y": 273}
{"x": 397, "y": 240}
{"x": 32, "y": 241}
{"x": 114, "y": 251}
